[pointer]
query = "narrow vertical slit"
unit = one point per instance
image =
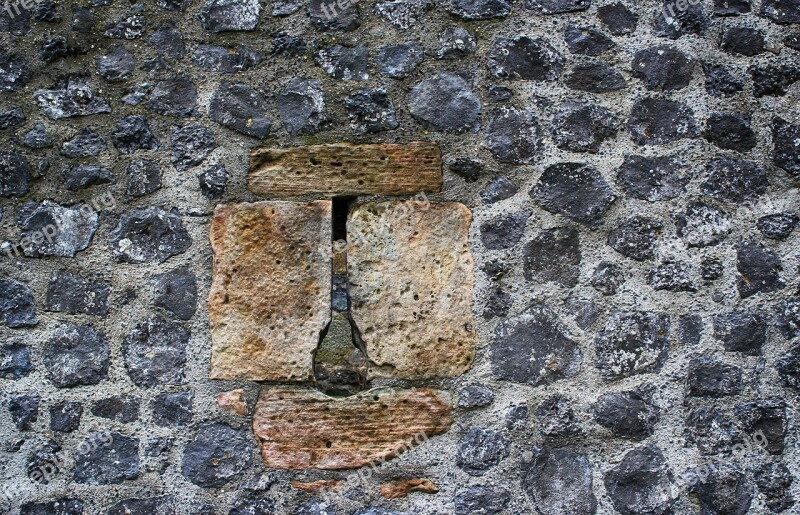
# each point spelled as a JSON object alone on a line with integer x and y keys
{"x": 340, "y": 363}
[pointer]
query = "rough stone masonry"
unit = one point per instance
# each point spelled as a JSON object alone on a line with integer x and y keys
{"x": 616, "y": 182}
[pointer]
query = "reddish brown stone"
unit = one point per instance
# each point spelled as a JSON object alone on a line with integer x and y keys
{"x": 319, "y": 486}
{"x": 300, "y": 428}
{"x": 346, "y": 169}
{"x": 270, "y": 293}
{"x": 232, "y": 401}
{"x": 399, "y": 489}
{"x": 410, "y": 274}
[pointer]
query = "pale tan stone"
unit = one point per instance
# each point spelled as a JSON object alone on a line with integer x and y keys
{"x": 303, "y": 428}
{"x": 319, "y": 486}
{"x": 410, "y": 273}
{"x": 270, "y": 293}
{"x": 345, "y": 169}
{"x": 233, "y": 402}
{"x": 400, "y": 489}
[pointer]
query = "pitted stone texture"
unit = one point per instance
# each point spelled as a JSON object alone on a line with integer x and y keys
{"x": 559, "y": 482}
{"x": 50, "y": 229}
{"x": 633, "y": 342}
{"x": 270, "y": 294}
{"x": 410, "y": 272}
{"x": 299, "y": 428}
{"x": 345, "y": 169}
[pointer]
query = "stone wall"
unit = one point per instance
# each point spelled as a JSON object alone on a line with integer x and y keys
{"x": 631, "y": 169}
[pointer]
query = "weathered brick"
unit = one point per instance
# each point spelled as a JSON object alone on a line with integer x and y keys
{"x": 410, "y": 275}
{"x": 270, "y": 294}
{"x": 341, "y": 169}
{"x": 301, "y": 428}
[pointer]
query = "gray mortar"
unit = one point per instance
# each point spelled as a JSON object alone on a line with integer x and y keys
{"x": 436, "y": 458}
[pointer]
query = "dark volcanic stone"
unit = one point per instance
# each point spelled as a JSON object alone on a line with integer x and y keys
{"x": 792, "y": 41}
{"x": 741, "y": 331}
{"x": 241, "y": 108}
{"x": 224, "y": 15}
{"x": 576, "y": 190}
{"x": 662, "y": 68}
{"x": 124, "y": 409}
{"x": 267, "y": 507}
{"x": 607, "y": 278}
{"x": 403, "y": 14}
{"x": 116, "y": 65}
{"x": 63, "y": 506}
{"x": 538, "y": 334}
{"x": 148, "y": 236}
{"x": 773, "y": 81}
{"x": 721, "y": 488}
{"x": 553, "y": 255}
{"x": 711, "y": 269}
{"x": 673, "y": 22}
{"x": 617, "y": 18}
{"x": 164, "y": 505}
{"x": 65, "y": 417}
{"x": 517, "y": 417}
{"x": 730, "y": 131}
{"x": 77, "y": 355}
{"x": 788, "y": 367}
{"x": 15, "y": 174}
{"x": 711, "y": 431}
{"x": 133, "y": 133}
{"x": 672, "y": 276}
{"x": 301, "y": 106}
{"x": 556, "y": 418}
{"x": 213, "y": 181}
{"x": 226, "y": 59}
{"x": 15, "y": 361}
{"x": 344, "y": 63}
{"x": 37, "y": 137}
{"x": 445, "y": 102}
{"x": 44, "y": 462}
{"x": 731, "y": 7}
{"x": 498, "y": 304}
{"x": 557, "y": 6}
{"x": 158, "y": 446}
{"x": 587, "y": 41}
{"x": 176, "y": 291}
{"x": 371, "y": 110}
{"x": 641, "y": 483}
{"x": 545, "y": 480}
{"x": 774, "y": 481}
{"x": 217, "y": 455}
{"x": 456, "y": 43}
{"x": 655, "y": 121}
{"x": 480, "y": 450}
{"x": 107, "y": 459}
{"x": 87, "y": 175}
{"x": 743, "y": 40}
{"x": 778, "y": 226}
{"x": 86, "y": 143}
{"x": 786, "y": 146}
{"x": 72, "y": 96}
{"x": 524, "y": 58}
{"x": 467, "y": 168}
{"x": 144, "y": 176}
{"x": 787, "y": 317}
{"x": 172, "y": 409}
{"x": 191, "y": 145}
{"x": 480, "y": 9}
{"x": 703, "y": 225}
{"x": 167, "y": 40}
{"x": 57, "y": 47}
{"x": 474, "y": 396}
{"x": 24, "y": 410}
{"x": 399, "y": 61}
{"x": 759, "y": 269}
{"x": 155, "y": 353}
{"x": 172, "y": 5}
{"x": 498, "y": 93}
{"x": 734, "y": 180}
{"x": 583, "y": 127}
{"x": 513, "y": 135}
{"x": 504, "y": 232}
{"x": 287, "y": 45}
{"x": 765, "y": 421}
{"x": 131, "y": 27}
{"x": 70, "y": 229}
{"x": 17, "y": 306}
{"x": 499, "y": 189}
{"x": 710, "y": 377}
{"x": 14, "y": 74}
{"x": 69, "y": 293}
{"x": 636, "y": 237}
{"x": 11, "y": 119}
{"x": 481, "y": 500}
{"x": 595, "y": 77}
{"x": 174, "y": 97}
{"x": 628, "y": 414}
{"x": 720, "y": 82}
{"x": 632, "y": 342}
{"x": 654, "y": 178}
{"x": 783, "y": 12}
{"x": 82, "y": 18}
{"x": 328, "y": 17}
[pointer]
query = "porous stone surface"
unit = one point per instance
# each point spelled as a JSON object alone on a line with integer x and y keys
{"x": 683, "y": 204}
